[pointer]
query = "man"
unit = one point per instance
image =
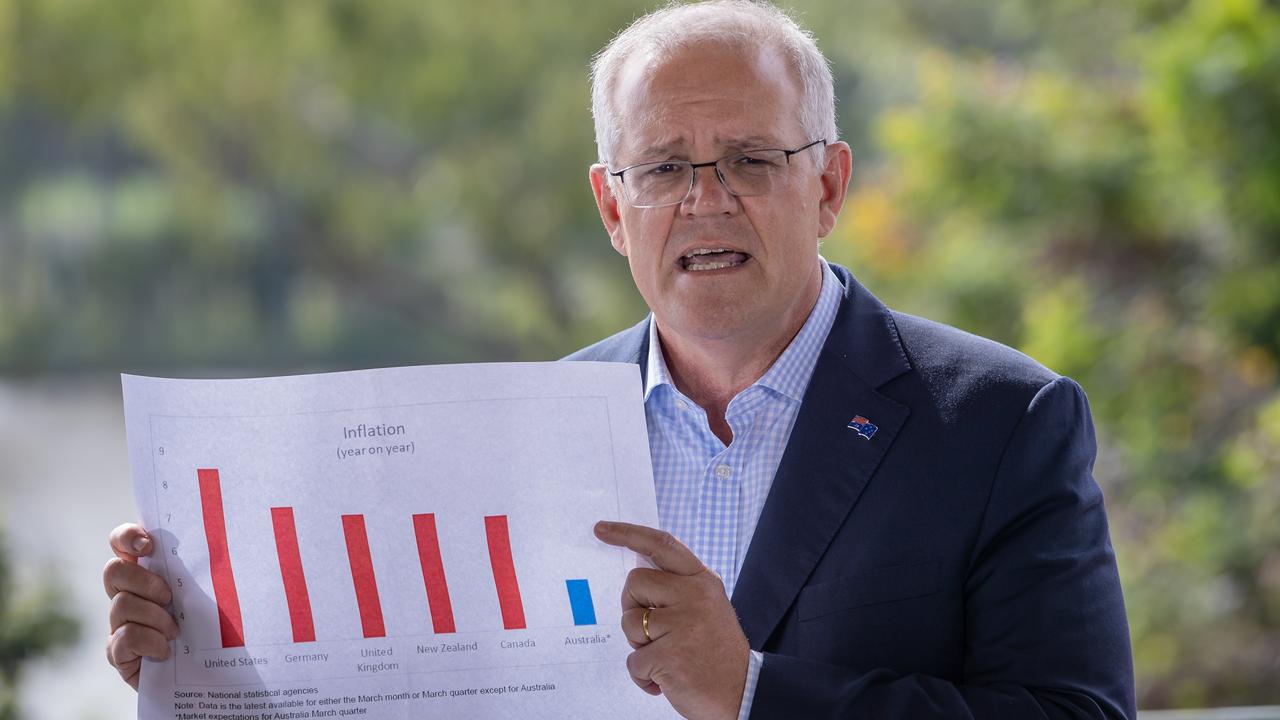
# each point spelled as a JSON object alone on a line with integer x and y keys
{"x": 865, "y": 514}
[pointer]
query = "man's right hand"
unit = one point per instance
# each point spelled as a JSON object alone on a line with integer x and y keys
{"x": 140, "y": 626}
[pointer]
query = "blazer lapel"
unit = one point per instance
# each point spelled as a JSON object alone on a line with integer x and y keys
{"x": 826, "y": 464}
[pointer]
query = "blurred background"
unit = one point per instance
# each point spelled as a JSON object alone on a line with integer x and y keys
{"x": 223, "y": 188}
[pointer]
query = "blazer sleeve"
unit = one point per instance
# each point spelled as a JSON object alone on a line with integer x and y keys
{"x": 1046, "y": 634}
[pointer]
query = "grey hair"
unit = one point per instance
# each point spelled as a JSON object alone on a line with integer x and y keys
{"x": 737, "y": 23}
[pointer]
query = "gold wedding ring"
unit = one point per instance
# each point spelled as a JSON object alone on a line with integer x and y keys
{"x": 644, "y": 624}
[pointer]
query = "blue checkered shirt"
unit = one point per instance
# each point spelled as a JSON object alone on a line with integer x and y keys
{"x": 709, "y": 495}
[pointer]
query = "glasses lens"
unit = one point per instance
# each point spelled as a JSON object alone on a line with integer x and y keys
{"x": 756, "y": 172}
{"x": 659, "y": 183}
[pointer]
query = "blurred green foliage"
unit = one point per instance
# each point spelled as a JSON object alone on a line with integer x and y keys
{"x": 337, "y": 184}
{"x": 31, "y": 626}
{"x": 1116, "y": 215}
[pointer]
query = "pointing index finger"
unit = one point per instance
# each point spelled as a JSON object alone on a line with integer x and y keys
{"x": 666, "y": 552}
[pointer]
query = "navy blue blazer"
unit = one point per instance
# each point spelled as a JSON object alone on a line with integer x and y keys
{"x": 957, "y": 564}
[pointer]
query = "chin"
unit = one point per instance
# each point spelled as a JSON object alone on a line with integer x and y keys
{"x": 714, "y": 323}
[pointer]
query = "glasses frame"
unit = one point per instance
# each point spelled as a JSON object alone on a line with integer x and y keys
{"x": 693, "y": 168}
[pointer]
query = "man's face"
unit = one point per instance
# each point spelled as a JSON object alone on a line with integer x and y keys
{"x": 700, "y": 105}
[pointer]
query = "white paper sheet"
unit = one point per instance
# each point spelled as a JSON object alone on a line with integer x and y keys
{"x": 394, "y": 543}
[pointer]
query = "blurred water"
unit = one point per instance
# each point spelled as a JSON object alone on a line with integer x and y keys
{"x": 64, "y": 484}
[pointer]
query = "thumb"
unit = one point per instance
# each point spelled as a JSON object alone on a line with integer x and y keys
{"x": 129, "y": 542}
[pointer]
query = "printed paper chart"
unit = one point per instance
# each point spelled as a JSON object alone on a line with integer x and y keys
{"x": 393, "y": 543}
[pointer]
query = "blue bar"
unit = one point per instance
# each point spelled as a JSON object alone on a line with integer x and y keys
{"x": 584, "y": 611}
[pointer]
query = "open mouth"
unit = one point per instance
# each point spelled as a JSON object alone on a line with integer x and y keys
{"x": 704, "y": 259}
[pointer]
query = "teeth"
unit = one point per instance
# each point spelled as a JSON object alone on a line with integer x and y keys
{"x": 709, "y": 266}
{"x": 706, "y": 251}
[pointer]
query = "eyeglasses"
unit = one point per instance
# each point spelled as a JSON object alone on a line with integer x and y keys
{"x": 744, "y": 174}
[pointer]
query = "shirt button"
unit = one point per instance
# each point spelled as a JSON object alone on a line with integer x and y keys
{"x": 722, "y": 472}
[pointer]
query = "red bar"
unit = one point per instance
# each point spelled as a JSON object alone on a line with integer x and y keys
{"x": 224, "y": 582}
{"x": 424, "y": 527}
{"x": 362, "y": 576}
{"x": 295, "y": 582}
{"x": 504, "y": 571}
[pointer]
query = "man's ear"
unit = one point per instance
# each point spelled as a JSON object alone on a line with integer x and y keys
{"x": 836, "y": 171}
{"x": 607, "y": 204}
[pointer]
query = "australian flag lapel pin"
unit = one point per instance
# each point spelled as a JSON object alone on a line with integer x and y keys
{"x": 862, "y": 426}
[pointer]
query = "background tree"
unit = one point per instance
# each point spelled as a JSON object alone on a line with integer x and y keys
{"x": 1115, "y": 215}
{"x": 31, "y": 625}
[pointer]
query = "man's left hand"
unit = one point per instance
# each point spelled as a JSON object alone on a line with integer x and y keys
{"x": 695, "y": 653}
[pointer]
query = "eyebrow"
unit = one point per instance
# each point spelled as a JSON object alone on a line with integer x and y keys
{"x": 745, "y": 142}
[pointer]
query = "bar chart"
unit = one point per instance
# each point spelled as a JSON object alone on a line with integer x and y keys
{"x": 579, "y": 605}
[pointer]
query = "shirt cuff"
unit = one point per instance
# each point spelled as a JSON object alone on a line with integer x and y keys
{"x": 754, "y": 663}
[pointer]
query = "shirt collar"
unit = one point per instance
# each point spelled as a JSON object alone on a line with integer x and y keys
{"x": 789, "y": 375}
{"x": 655, "y": 373}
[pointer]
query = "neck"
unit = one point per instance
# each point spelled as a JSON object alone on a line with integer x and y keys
{"x": 711, "y": 371}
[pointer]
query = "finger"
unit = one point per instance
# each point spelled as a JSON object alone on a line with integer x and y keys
{"x": 129, "y": 670}
{"x": 131, "y": 642}
{"x": 666, "y": 552}
{"x": 640, "y": 665}
{"x": 129, "y": 608}
{"x": 120, "y": 575}
{"x": 633, "y": 626}
{"x": 129, "y": 542}
{"x": 646, "y": 588}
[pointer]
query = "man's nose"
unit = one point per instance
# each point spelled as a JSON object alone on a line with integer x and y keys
{"x": 709, "y": 196}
